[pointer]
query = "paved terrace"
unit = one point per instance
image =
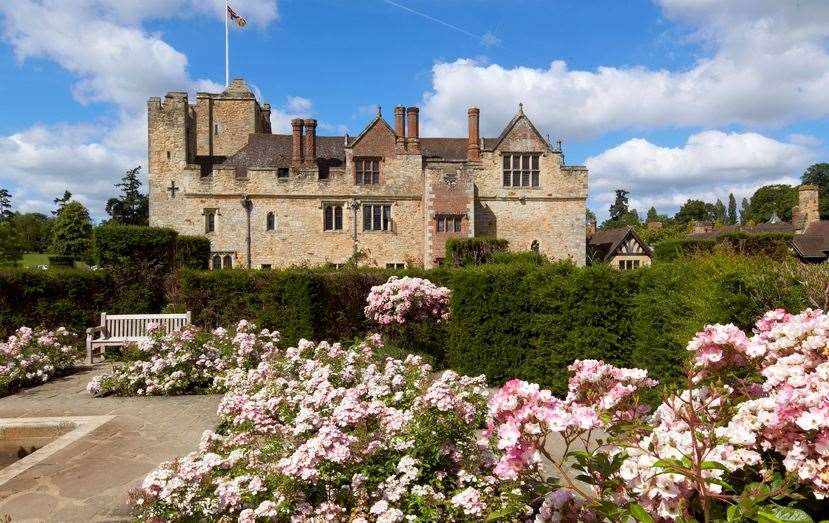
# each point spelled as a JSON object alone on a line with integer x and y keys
{"x": 89, "y": 479}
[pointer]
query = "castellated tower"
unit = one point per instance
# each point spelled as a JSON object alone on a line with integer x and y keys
{"x": 185, "y": 140}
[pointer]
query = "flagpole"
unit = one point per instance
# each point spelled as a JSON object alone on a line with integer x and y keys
{"x": 227, "y": 47}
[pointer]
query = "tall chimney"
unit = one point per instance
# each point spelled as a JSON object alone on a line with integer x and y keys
{"x": 310, "y": 142}
{"x": 808, "y": 204}
{"x": 399, "y": 129}
{"x": 296, "y": 142}
{"x": 473, "y": 150}
{"x": 413, "y": 142}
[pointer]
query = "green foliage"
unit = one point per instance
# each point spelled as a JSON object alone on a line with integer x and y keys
{"x": 72, "y": 231}
{"x": 135, "y": 245}
{"x": 527, "y": 257}
{"x": 34, "y": 229}
{"x": 732, "y": 210}
{"x": 61, "y": 202}
{"x": 694, "y": 210}
{"x": 462, "y": 252}
{"x": 773, "y": 245}
{"x": 818, "y": 174}
{"x": 132, "y": 207}
{"x": 192, "y": 252}
{"x": 5, "y": 204}
{"x": 619, "y": 213}
{"x": 772, "y": 199}
{"x": 674, "y": 248}
{"x": 11, "y": 247}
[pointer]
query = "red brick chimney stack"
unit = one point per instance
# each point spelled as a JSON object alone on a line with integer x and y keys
{"x": 296, "y": 142}
{"x": 473, "y": 150}
{"x": 413, "y": 141}
{"x": 310, "y": 142}
{"x": 399, "y": 125}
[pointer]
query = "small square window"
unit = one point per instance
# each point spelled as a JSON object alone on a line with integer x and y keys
{"x": 266, "y": 266}
{"x": 282, "y": 173}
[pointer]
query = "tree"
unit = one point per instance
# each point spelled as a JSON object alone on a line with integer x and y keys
{"x": 10, "y": 249}
{"x": 818, "y": 174}
{"x": 132, "y": 208}
{"x": 731, "y": 218}
{"x": 590, "y": 216}
{"x": 694, "y": 210}
{"x": 5, "y": 204}
{"x": 34, "y": 230}
{"x": 60, "y": 202}
{"x": 619, "y": 208}
{"x": 652, "y": 215}
{"x": 745, "y": 205}
{"x": 719, "y": 211}
{"x": 772, "y": 199}
{"x": 72, "y": 231}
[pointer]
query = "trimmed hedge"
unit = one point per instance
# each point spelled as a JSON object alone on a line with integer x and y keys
{"x": 56, "y": 260}
{"x": 462, "y": 252}
{"x": 135, "y": 245}
{"x": 773, "y": 245}
{"x": 192, "y": 252}
{"x": 71, "y": 298}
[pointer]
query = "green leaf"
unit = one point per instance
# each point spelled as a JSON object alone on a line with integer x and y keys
{"x": 710, "y": 465}
{"x": 639, "y": 514}
{"x": 789, "y": 514}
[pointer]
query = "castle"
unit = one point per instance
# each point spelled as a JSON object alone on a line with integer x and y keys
{"x": 393, "y": 198}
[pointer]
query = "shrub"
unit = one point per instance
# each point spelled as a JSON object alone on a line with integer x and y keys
{"x": 72, "y": 231}
{"x": 472, "y": 251}
{"x": 190, "y": 361}
{"x": 192, "y": 252}
{"x": 668, "y": 250}
{"x": 30, "y": 357}
{"x": 136, "y": 246}
{"x": 320, "y": 432}
{"x": 526, "y": 257}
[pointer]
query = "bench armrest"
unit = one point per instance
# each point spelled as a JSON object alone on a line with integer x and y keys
{"x": 96, "y": 330}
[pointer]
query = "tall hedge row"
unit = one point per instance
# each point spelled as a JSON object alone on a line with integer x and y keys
{"x": 511, "y": 319}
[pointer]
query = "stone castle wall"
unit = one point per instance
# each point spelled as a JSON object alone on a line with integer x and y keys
{"x": 416, "y": 188}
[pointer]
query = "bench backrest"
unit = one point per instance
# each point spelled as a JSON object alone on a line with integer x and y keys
{"x": 134, "y": 326}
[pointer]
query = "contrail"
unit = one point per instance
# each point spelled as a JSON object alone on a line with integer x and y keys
{"x": 432, "y": 18}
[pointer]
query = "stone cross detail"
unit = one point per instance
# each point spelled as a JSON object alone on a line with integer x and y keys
{"x": 172, "y": 188}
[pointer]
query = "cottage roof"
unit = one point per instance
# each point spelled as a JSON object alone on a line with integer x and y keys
{"x": 604, "y": 244}
{"x": 814, "y": 242}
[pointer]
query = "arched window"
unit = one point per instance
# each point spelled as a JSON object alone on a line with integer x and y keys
{"x": 270, "y": 222}
{"x": 216, "y": 262}
{"x": 228, "y": 264}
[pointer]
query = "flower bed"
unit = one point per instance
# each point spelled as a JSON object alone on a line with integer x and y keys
{"x": 31, "y": 357}
{"x": 407, "y": 300}
{"x": 327, "y": 433}
{"x": 189, "y": 361}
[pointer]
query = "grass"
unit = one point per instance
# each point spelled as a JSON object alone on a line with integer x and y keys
{"x": 33, "y": 259}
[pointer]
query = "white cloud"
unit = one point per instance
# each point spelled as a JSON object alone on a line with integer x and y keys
{"x": 708, "y": 166}
{"x": 116, "y": 61}
{"x": 768, "y": 65}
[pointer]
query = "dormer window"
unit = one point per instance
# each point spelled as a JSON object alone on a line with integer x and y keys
{"x": 367, "y": 171}
{"x": 521, "y": 170}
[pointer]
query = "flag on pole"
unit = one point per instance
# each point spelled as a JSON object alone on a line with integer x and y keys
{"x": 241, "y": 22}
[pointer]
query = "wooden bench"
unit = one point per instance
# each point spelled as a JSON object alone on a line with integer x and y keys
{"x": 120, "y": 330}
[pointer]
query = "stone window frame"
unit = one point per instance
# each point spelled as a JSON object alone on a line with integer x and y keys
{"x": 270, "y": 221}
{"x": 442, "y": 221}
{"x": 225, "y": 259}
{"x": 375, "y": 175}
{"x": 531, "y": 173}
{"x": 386, "y": 220}
{"x": 335, "y": 206}
{"x": 210, "y": 214}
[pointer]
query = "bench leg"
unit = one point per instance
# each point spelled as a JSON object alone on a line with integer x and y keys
{"x": 88, "y": 350}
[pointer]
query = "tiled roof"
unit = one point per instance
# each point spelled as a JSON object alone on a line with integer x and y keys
{"x": 814, "y": 242}
{"x": 603, "y": 244}
{"x": 274, "y": 151}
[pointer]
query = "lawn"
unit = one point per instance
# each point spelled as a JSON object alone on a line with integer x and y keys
{"x": 33, "y": 259}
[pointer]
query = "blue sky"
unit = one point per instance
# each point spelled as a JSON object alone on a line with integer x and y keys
{"x": 669, "y": 99}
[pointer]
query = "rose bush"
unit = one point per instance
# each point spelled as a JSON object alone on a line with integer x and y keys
{"x": 407, "y": 300}
{"x": 31, "y": 357}
{"x": 321, "y": 432}
{"x": 747, "y": 440}
{"x": 189, "y": 361}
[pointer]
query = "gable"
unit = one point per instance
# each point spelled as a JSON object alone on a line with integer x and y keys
{"x": 630, "y": 246}
{"x": 521, "y": 135}
{"x": 378, "y": 139}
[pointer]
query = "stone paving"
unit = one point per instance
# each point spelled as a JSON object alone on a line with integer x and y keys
{"x": 89, "y": 479}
